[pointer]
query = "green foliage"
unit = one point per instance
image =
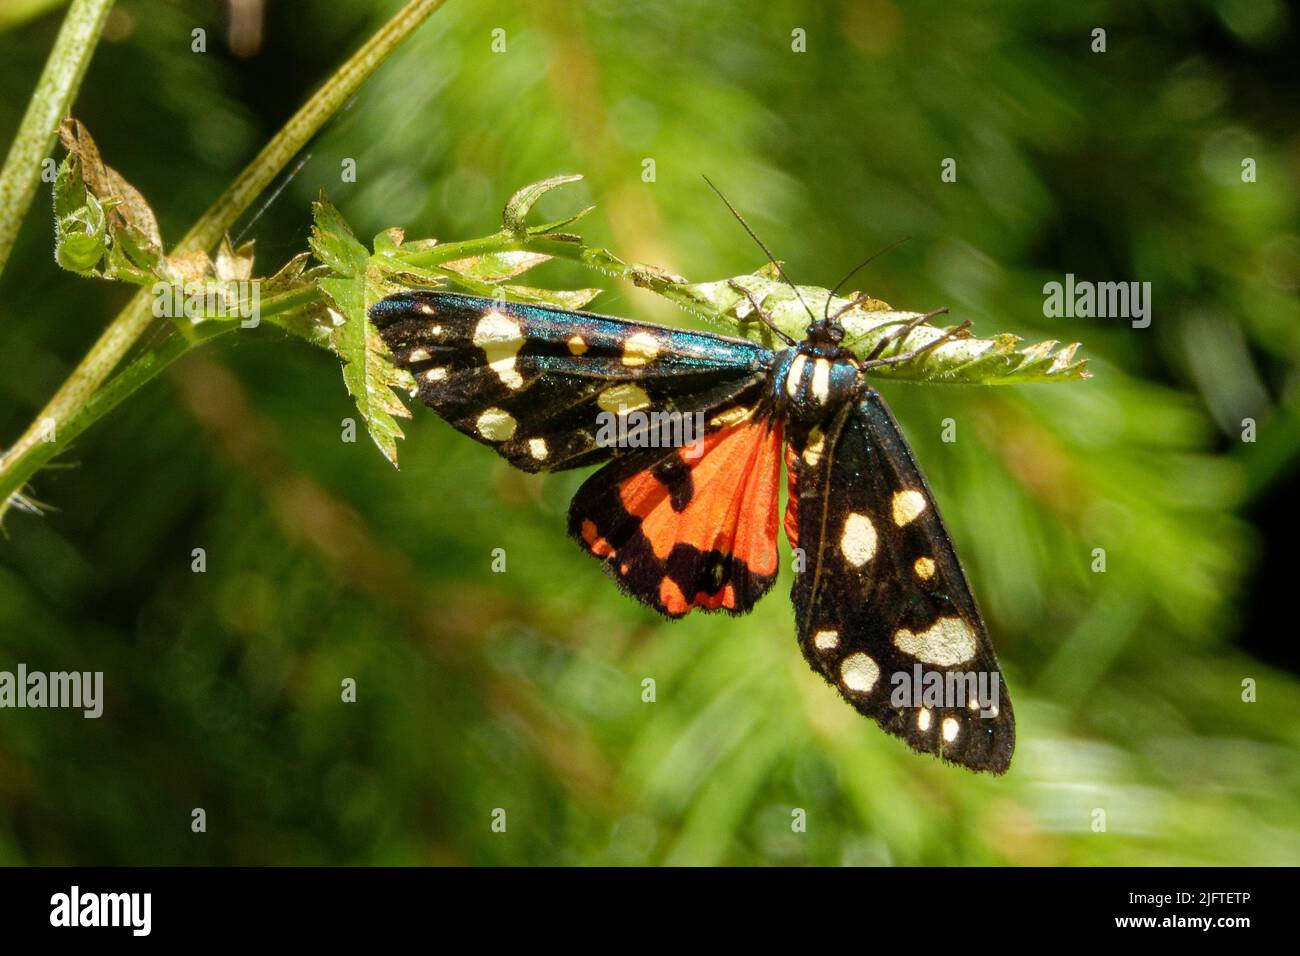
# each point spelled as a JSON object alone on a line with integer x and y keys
{"x": 355, "y": 287}
{"x": 127, "y": 242}
{"x": 965, "y": 360}
{"x": 102, "y": 225}
{"x": 523, "y": 690}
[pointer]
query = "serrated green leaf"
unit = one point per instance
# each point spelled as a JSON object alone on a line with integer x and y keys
{"x": 333, "y": 243}
{"x": 963, "y": 360}
{"x": 368, "y": 372}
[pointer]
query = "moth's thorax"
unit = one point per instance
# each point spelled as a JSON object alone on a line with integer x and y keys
{"x": 806, "y": 385}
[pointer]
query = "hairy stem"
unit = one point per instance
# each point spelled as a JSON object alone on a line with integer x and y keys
{"x": 132, "y": 321}
{"x": 49, "y": 104}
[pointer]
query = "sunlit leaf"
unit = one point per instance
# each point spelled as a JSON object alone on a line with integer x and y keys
{"x": 496, "y": 266}
{"x": 367, "y": 371}
{"x": 967, "y": 359}
{"x": 560, "y": 298}
{"x": 333, "y": 243}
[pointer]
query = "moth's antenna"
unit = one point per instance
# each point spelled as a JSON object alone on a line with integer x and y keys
{"x": 766, "y": 251}
{"x": 854, "y": 271}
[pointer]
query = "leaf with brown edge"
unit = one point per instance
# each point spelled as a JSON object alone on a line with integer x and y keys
{"x": 964, "y": 360}
{"x": 131, "y": 220}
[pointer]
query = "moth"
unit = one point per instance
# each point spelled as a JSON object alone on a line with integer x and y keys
{"x": 878, "y": 590}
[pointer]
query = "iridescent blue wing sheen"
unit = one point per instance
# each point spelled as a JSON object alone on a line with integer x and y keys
{"x": 533, "y": 381}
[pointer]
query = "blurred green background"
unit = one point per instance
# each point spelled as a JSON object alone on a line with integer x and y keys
{"x": 523, "y": 690}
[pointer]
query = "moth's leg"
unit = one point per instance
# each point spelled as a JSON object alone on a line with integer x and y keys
{"x": 952, "y": 333}
{"x": 761, "y": 312}
{"x": 901, "y": 332}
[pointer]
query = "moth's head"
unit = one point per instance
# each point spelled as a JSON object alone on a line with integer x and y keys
{"x": 825, "y": 337}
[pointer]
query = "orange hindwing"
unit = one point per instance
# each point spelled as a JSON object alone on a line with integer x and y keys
{"x": 689, "y": 527}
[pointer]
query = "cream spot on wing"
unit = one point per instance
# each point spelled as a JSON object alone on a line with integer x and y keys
{"x": 974, "y": 704}
{"x": 537, "y": 448}
{"x": 924, "y": 568}
{"x": 948, "y": 641}
{"x": 496, "y": 424}
{"x": 821, "y": 380}
{"x": 622, "y": 399}
{"x": 435, "y": 374}
{"x": 496, "y": 328}
{"x": 812, "y": 452}
{"x": 907, "y": 505}
{"x": 950, "y": 729}
{"x": 795, "y": 375}
{"x": 732, "y": 416}
{"x": 826, "y": 640}
{"x": 858, "y": 672}
{"x": 505, "y": 369}
{"x": 501, "y": 337}
{"x": 640, "y": 348}
{"x": 577, "y": 345}
{"x": 858, "y": 542}
{"x": 419, "y": 355}
{"x": 436, "y": 330}
{"x": 923, "y": 720}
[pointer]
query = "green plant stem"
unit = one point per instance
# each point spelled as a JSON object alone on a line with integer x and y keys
{"x": 132, "y": 321}
{"x": 279, "y": 311}
{"x": 54, "y": 92}
{"x": 142, "y": 371}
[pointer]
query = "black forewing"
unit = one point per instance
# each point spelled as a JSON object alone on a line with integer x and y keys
{"x": 531, "y": 381}
{"x": 883, "y": 593}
